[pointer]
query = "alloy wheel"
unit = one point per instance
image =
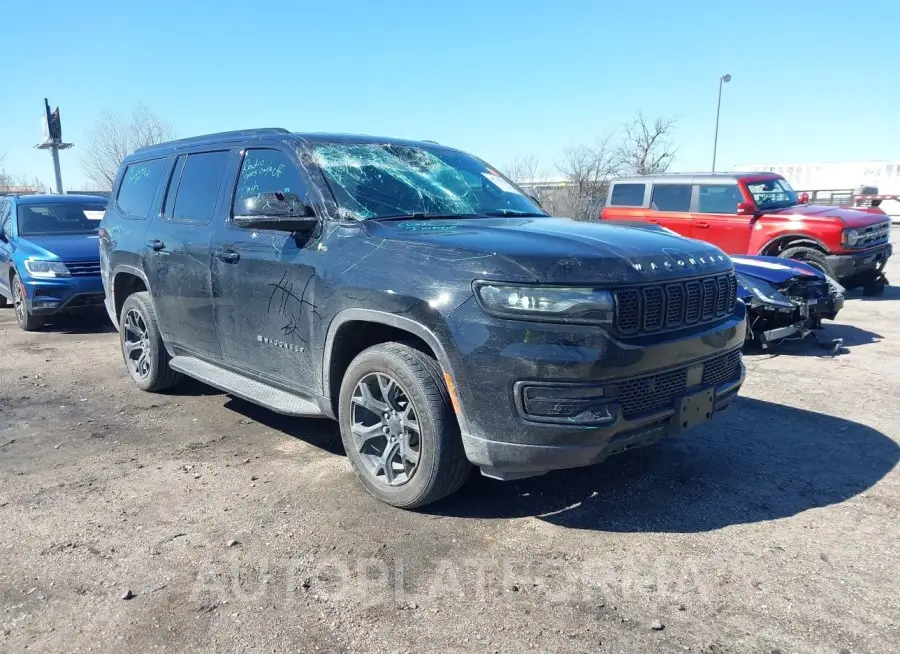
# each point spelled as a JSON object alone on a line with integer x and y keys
{"x": 136, "y": 345}
{"x": 19, "y": 302}
{"x": 386, "y": 430}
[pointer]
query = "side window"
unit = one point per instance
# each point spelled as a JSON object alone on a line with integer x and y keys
{"x": 5, "y": 222}
{"x": 267, "y": 171}
{"x": 671, "y": 197}
{"x": 197, "y": 190}
{"x": 138, "y": 187}
{"x": 627, "y": 195}
{"x": 174, "y": 178}
{"x": 719, "y": 198}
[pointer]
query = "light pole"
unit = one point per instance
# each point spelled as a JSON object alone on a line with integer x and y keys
{"x": 722, "y": 80}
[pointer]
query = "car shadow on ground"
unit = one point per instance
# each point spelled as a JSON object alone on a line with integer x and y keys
{"x": 821, "y": 343}
{"x": 88, "y": 323}
{"x": 318, "y": 432}
{"x": 756, "y": 462}
{"x": 890, "y": 293}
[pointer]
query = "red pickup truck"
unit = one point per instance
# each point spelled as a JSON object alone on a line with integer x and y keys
{"x": 759, "y": 213}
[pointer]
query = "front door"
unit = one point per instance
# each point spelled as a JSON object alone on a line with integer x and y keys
{"x": 264, "y": 281}
{"x": 670, "y": 206}
{"x": 717, "y": 221}
{"x": 177, "y": 253}
{"x": 5, "y": 247}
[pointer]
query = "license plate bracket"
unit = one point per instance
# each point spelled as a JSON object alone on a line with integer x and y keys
{"x": 694, "y": 409}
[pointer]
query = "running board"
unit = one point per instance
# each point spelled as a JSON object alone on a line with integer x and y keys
{"x": 245, "y": 388}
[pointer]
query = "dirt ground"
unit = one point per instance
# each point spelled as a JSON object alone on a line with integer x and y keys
{"x": 196, "y": 522}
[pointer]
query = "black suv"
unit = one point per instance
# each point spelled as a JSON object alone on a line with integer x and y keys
{"x": 416, "y": 295}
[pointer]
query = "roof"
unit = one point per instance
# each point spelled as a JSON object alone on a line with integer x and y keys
{"x": 271, "y": 134}
{"x": 52, "y": 198}
{"x": 695, "y": 178}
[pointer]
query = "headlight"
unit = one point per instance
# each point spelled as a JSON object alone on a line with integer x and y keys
{"x": 851, "y": 237}
{"x": 548, "y": 303}
{"x": 764, "y": 291}
{"x": 46, "y": 268}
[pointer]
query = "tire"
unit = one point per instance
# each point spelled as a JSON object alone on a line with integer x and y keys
{"x": 874, "y": 288}
{"x": 441, "y": 465}
{"x": 812, "y": 256}
{"x": 27, "y": 320}
{"x": 143, "y": 350}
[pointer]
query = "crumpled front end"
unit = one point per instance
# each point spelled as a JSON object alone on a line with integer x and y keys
{"x": 789, "y": 309}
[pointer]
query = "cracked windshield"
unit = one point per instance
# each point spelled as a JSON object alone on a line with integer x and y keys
{"x": 397, "y": 181}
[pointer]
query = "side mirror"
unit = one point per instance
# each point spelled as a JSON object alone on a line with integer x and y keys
{"x": 746, "y": 209}
{"x": 804, "y": 198}
{"x": 281, "y": 211}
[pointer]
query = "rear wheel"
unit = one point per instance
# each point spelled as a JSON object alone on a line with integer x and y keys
{"x": 812, "y": 256}
{"x": 398, "y": 427}
{"x": 27, "y": 320}
{"x": 142, "y": 346}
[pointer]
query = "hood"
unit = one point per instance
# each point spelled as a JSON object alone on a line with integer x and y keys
{"x": 64, "y": 247}
{"x": 774, "y": 270}
{"x": 850, "y": 217}
{"x": 560, "y": 250}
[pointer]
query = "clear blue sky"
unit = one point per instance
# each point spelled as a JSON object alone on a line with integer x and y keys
{"x": 813, "y": 79}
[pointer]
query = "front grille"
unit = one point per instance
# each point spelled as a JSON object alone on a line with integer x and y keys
{"x": 83, "y": 268}
{"x": 658, "y": 392}
{"x": 655, "y": 308}
{"x": 872, "y": 235}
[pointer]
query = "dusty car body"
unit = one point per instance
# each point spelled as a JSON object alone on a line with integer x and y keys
{"x": 785, "y": 299}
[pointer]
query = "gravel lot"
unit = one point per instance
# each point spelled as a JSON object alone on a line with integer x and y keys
{"x": 196, "y": 522}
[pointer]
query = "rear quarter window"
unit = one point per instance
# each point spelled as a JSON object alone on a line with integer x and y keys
{"x": 627, "y": 195}
{"x": 138, "y": 187}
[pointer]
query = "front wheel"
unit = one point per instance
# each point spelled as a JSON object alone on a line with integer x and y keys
{"x": 142, "y": 346}
{"x": 398, "y": 427}
{"x": 27, "y": 320}
{"x": 812, "y": 256}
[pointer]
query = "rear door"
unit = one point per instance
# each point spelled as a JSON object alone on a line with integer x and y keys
{"x": 716, "y": 219}
{"x": 177, "y": 258}
{"x": 670, "y": 206}
{"x": 264, "y": 281}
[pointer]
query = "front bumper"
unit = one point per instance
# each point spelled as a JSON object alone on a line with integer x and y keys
{"x": 770, "y": 324}
{"x": 643, "y": 383}
{"x": 63, "y": 295}
{"x": 868, "y": 261}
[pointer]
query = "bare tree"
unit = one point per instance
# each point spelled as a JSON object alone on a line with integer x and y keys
{"x": 114, "y": 137}
{"x": 526, "y": 168}
{"x": 587, "y": 170}
{"x": 20, "y": 183}
{"x": 647, "y": 148}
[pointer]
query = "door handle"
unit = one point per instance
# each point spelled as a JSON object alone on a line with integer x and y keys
{"x": 228, "y": 256}
{"x": 702, "y": 225}
{"x": 156, "y": 245}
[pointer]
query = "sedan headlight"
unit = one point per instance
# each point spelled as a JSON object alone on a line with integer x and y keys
{"x": 38, "y": 268}
{"x": 851, "y": 237}
{"x": 764, "y": 291}
{"x": 553, "y": 303}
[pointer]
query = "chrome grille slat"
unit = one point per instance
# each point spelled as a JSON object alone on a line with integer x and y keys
{"x": 83, "y": 268}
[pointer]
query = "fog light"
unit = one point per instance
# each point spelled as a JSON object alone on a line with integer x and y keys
{"x": 44, "y": 304}
{"x": 567, "y": 403}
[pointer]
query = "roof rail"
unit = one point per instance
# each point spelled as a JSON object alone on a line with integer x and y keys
{"x": 220, "y": 136}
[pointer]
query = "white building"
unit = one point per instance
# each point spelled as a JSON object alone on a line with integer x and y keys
{"x": 836, "y": 175}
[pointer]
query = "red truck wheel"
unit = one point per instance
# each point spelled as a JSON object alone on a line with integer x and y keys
{"x": 815, "y": 258}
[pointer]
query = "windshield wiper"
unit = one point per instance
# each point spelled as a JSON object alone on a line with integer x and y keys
{"x": 424, "y": 216}
{"x": 513, "y": 213}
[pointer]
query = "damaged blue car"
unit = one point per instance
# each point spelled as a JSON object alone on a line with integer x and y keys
{"x": 785, "y": 299}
